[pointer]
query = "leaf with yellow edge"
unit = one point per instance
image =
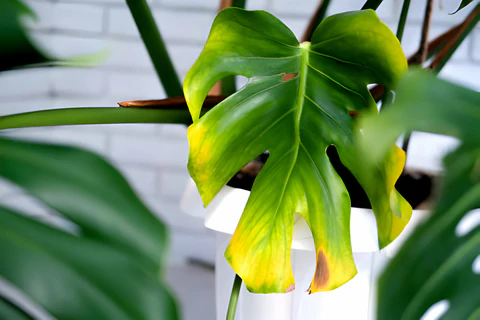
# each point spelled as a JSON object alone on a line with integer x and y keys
{"x": 296, "y": 119}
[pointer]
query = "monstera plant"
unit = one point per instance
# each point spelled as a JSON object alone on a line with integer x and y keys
{"x": 301, "y": 99}
{"x": 297, "y": 103}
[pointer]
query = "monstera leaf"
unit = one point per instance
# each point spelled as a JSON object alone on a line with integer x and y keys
{"x": 295, "y": 105}
{"x": 421, "y": 105}
{"x": 436, "y": 261}
{"x": 109, "y": 267}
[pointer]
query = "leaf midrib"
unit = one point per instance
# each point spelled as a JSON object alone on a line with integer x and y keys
{"x": 305, "y": 46}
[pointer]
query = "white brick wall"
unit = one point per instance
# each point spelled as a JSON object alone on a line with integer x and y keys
{"x": 153, "y": 157}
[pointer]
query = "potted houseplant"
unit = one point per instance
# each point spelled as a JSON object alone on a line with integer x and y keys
{"x": 227, "y": 128}
{"x": 294, "y": 72}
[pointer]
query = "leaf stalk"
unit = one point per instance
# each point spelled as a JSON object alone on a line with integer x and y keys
{"x": 156, "y": 47}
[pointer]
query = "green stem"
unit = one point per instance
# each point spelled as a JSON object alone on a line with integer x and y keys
{"x": 228, "y": 84}
{"x": 232, "y": 305}
{"x": 372, "y": 4}
{"x": 403, "y": 19}
{"x": 462, "y": 37}
{"x": 387, "y": 96}
{"x": 156, "y": 47}
{"x": 78, "y": 116}
{"x": 406, "y": 141}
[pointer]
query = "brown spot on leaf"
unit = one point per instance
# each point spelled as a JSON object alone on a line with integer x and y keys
{"x": 289, "y": 76}
{"x": 321, "y": 272}
{"x": 290, "y": 288}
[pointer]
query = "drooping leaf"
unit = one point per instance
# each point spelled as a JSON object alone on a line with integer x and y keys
{"x": 88, "y": 191}
{"x": 435, "y": 263}
{"x": 462, "y": 5}
{"x": 295, "y": 119}
{"x": 73, "y": 277}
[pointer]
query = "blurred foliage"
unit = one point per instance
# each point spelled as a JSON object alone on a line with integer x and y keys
{"x": 435, "y": 263}
{"x": 108, "y": 264}
{"x": 17, "y": 48}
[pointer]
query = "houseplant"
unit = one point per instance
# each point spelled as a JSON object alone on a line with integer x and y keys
{"x": 219, "y": 126}
{"x": 112, "y": 116}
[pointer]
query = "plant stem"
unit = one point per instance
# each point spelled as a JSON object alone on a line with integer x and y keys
{"x": 156, "y": 47}
{"x": 232, "y": 306}
{"x": 387, "y": 95}
{"x": 77, "y": 116}
{"x": 425, "y": 30}
{"x": 403, "y": 19}
{"x": 406, "y": 141}
{"x": 372, "y": 4}
{"x": 423, "y": 52}
{"x": 316, "y": 19}
{"x": 437, "y": 66}
{"x": 228, "y": 84}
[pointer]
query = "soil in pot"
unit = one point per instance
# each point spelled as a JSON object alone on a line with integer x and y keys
{"x": 416, "y": 188}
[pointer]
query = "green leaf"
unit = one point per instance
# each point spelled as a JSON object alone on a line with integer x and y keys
{"x": 423, "y": 103}
{"x": 295, "y": 120}
{"x": 436, "y": 264}
{"x": 74, "y": 277}
{"x": 16, "y": 47}
{"x": 11, "y": 312}
{"x": 88, "y": 191}
{"x": 463, "y": 4}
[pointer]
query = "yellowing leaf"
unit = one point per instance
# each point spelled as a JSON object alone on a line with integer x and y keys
{"x": 296, "y": 120}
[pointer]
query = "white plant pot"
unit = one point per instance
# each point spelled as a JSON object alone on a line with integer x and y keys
{"x": 354, "y": 300}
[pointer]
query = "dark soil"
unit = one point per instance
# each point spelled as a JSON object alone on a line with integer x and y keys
{"x": 416, "y": 188}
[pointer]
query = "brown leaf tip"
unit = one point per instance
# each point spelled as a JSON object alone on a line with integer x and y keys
{"x": 290, "y": 288}
{"x": 322, "y": 272}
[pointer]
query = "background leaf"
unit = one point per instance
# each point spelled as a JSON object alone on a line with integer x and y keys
{"x": 109, "y": 269}
{"x": 88, "y": 191}
{"x": 462, "y": 5}
{"x": 11, "y": 312}
{"x": 77, "y": 278}
{"x": 295, "y": 119}
{"x": 17, "y": 49}
{"x": 423, "y": 103}
{"x": 435, "y": 263}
